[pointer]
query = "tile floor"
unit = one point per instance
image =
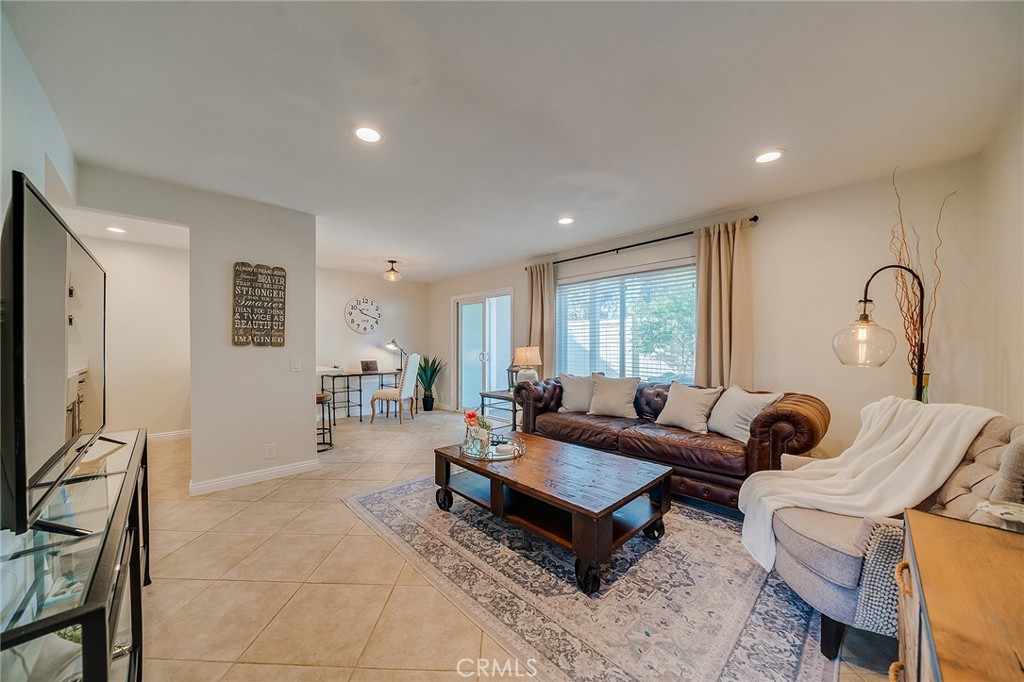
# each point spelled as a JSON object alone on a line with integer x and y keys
{"x": 280, "y": 581}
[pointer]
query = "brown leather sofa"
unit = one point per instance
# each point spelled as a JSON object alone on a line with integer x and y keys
{"x": 707, "y": 466}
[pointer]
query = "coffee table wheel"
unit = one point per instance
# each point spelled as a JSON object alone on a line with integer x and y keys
{"x": 656, "y": 530}
{"x": 588, "y": 580}
{"x": 444, "y": 499}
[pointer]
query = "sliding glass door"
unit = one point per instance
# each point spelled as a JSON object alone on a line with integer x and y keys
{"x": 484, "y": 346}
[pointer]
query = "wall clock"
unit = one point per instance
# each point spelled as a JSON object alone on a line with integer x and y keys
{"x": 362, "y": 314}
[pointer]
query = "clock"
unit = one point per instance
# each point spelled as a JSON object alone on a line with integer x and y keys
{"x": 362, "y": 314}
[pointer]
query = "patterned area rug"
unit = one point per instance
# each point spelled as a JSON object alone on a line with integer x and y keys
{"x": 693, "y": 606}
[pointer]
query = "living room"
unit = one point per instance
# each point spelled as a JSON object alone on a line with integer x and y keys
{"x": 497, "y": 120}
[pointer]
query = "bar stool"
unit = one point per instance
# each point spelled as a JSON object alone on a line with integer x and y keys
{"x": 325, "y": 435}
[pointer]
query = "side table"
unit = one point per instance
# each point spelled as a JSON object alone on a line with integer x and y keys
{"x": 495, "y": 400}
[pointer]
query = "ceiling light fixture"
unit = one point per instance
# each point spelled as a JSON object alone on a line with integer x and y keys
{"x": 391, "y": 274}
{"x": 566, "y": 221}
{"x": 768, "y": 157}
{"x": 368, "y": 134}
{"x": 119, "y": 230}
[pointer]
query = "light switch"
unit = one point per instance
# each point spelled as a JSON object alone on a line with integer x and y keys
{"x": 296, "y": 364}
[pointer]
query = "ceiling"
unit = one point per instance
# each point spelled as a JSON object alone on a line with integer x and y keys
{"x": 89, "y": 223}
{"x": 499, "y": 118}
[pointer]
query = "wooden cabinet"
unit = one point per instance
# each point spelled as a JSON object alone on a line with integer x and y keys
{"x": 961, "y": 608}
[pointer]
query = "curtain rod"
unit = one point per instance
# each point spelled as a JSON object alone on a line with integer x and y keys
{"x": 754, "y": 218}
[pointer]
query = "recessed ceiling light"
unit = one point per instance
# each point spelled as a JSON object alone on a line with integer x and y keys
{"x": 768, "y": 157}
{"x": 115, "y": 229}
{"x": 367, "y": 134}
{"x": 566, "y": 221}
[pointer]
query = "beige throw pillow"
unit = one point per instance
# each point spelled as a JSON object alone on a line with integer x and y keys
{"x": 688, "y": 407}
{"x": 734, "y": 411}
{"x": 614, "y": 397}
{"x": 577, "y": 392}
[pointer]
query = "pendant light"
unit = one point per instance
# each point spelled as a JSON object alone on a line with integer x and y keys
{"x": 391, "y": 274}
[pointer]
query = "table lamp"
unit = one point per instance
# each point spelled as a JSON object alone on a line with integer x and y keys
{"x": 526, "y": 358}
{"x": 393, "y": 345}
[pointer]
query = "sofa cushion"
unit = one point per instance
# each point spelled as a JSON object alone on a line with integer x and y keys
{"x": 671, "y": 445}
{"x": 822, "y": 542}
{"x": 614, "y": 397}
{"x": 835, "y": 601}
{"x": 732, "y": 414}
{"x": 577, "y": 392}
{"x": 688, "y": 407}
{"x": 585, "y": 429}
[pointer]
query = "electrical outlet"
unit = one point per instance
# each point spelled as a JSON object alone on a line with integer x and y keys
{"x": 296, "y": 364}
{"x": 269, "y": 450}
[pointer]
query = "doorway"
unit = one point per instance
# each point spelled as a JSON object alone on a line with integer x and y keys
{"x": 484, "y": 338}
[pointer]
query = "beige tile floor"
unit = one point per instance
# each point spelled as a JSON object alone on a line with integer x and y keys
{"x": 280, "y": 581}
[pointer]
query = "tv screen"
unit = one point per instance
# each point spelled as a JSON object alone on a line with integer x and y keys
{"x": 53, "y": 332}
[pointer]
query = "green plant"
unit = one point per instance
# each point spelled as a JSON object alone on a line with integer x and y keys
{"x": 427, "y": 373}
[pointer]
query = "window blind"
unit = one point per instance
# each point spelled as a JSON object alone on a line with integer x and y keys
{"x": 638, "y": 324}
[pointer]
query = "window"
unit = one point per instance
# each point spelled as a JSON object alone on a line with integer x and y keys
{"x": 639, "y": 324}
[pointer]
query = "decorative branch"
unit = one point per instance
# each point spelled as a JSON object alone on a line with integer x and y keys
{"x": 905, "y": 245}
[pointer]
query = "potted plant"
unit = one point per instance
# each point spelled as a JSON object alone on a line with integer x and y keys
{"x": 426, "y": 375}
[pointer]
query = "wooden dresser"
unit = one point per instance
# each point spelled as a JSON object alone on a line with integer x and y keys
{"x": 961, "y": 610}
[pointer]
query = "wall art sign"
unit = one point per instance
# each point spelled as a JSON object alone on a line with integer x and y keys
{"x": 258, "y": 305}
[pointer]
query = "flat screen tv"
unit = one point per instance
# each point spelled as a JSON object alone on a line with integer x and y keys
{"x": 52, "y": 372}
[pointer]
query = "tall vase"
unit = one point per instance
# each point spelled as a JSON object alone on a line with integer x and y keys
{"x": 924, "y": 389}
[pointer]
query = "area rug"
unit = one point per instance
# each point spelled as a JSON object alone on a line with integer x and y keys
{"x": 692, "y": 606}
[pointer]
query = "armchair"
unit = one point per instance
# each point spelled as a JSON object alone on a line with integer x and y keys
{"x": 843, "y": 565}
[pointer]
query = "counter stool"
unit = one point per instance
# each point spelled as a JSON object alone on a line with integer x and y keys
{"x": 325, "y": 435}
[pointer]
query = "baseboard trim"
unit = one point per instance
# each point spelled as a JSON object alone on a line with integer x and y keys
{"x": 170, "y": 435}
{"x": 237, "y": 480}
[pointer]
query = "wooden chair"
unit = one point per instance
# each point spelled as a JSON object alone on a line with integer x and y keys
{"x": 406, "y": 390}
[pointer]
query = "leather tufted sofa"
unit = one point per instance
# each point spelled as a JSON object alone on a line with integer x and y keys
{"x": 707, "y": 466}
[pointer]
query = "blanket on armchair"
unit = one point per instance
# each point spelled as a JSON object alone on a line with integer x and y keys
{"x": 904, "y": 452}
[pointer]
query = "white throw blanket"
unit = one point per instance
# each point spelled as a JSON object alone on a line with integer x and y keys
{"x": 904, "y": 452}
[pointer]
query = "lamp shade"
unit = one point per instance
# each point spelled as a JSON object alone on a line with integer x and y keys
{"x": 391, "y": 274}
{"x": 864, "y": 343}
{"x": 392, "y": 345}
{"x": 526, "y": 356}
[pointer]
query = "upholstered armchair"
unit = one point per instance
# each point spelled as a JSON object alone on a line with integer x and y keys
{"x": 843, "y": 565}
{"x": 406, "y": 390}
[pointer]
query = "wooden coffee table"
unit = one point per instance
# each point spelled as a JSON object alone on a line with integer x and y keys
{"x": 585, "y": 500}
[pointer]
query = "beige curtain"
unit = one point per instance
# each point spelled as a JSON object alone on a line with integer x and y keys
{"x": 542, "y": 314}
{"x": 725, "y": 336}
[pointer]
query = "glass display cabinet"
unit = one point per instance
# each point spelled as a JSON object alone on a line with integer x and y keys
{"x": 72, "y": 585}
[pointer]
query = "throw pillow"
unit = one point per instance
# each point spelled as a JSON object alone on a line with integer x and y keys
{"x": 688, "y": 407}
{"x": 614, "y": 397}
{"x": 734, "y": 411}
{"x": 577, "y": 392}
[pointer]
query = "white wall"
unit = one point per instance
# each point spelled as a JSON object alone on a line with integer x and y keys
{"x": 148, "y": 369}
{"x": 811, "y": 257}
{"x": 31, "y": 132}
{"x": 242, "y": 397}
{"x": 404, "y": 317}
{"x": 1003, "y": 180}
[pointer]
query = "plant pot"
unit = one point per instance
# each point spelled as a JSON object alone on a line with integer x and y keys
{"x": 428, "y": 403}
